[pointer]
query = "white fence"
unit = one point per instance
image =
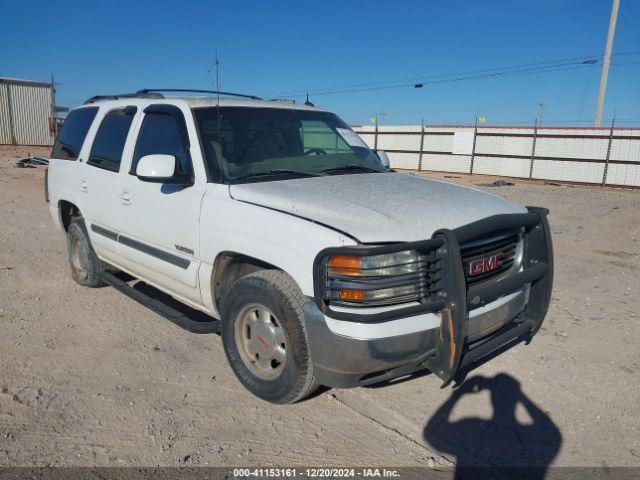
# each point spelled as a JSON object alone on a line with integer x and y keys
{"x": 587, "y": 155}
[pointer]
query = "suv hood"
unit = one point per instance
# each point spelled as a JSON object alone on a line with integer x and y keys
{"x": 377, "y": 207}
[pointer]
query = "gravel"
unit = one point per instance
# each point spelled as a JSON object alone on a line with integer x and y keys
{"x": 90, "y": 378}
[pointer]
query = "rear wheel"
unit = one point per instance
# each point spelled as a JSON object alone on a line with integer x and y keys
{"x": 265, "y": 339}
{"x": 85, "y": 264}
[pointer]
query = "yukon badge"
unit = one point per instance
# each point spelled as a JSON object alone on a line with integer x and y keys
{"x": 180, "y": 248}
{"x": 484, "y": 265}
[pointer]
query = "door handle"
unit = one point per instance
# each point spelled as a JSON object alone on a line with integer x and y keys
{"x": 125, "y": 197}
{"x": 84, "y": 186}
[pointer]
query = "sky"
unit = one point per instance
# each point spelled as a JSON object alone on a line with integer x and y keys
{"x": 281, "y": 48}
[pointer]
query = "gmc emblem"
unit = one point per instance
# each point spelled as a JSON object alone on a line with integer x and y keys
{"x": 484, "y": 265}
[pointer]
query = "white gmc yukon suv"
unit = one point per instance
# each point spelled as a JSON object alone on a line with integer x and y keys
{"x": 316, "y": 263}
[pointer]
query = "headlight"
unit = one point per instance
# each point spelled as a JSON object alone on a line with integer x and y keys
{"x": 385, "y": 279}
{"x": 377, "y": 265}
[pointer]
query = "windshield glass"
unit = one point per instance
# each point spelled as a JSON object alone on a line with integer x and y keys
{"x": 266, "y": 144}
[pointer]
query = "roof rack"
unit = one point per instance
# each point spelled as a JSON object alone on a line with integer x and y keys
{"x": 283, "y": 100}
{"x": 97, "y": 98}
{"x": 155, "y": 93}
{"x": 145, "y": 91}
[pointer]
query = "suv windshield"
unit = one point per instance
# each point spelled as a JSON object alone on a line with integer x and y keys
{"x": 262, "y": 144}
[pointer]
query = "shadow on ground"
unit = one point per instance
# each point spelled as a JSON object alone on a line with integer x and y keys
{"x": 501, "y": 444}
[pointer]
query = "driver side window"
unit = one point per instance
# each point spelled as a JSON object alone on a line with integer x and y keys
{"x": 319, "y": 137}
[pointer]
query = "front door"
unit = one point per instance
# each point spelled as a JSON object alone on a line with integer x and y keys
{"x": 159, "y": 222}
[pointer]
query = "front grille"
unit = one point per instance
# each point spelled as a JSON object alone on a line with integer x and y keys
{"x": 501, "y": 246}
{"x": 434, "y": 275}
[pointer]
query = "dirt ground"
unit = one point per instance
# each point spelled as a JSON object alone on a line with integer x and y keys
{"x": 90, "y": 378}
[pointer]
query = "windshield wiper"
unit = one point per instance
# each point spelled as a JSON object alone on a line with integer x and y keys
{"x": 277, "y": 172}
{"x": 353, "y": 167}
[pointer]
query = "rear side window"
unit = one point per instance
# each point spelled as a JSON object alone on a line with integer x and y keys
{"x": 108, "y": 145}
{"x": 163, "y": 133}
{"x": 73, "y": 133}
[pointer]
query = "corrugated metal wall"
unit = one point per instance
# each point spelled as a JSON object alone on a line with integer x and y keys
{"x": 599, "y": 156}
{"x": 25, "y": 113}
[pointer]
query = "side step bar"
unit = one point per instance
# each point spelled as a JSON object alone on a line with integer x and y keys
{"x": 170, "y": 313}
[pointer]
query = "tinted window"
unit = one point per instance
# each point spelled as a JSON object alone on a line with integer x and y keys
{"x": 73, "y": 133}
{"x": 161, "y": 133}
{"x": 317, "y": 136}
{"x": 109, "y": 142}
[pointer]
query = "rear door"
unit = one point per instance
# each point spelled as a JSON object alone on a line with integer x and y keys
{"x": 65, "y": 167}
{"x": 99, "y": 179}
{"x": 160, "y": 222}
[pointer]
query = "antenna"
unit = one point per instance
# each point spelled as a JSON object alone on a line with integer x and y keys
{"x": 218, "y": 99}
{"x": 217, "y": 74}
{"x": 308, "y": 102}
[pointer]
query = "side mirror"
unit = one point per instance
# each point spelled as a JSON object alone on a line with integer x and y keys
{"x": 156, "y": 168}
{"x": 384, "y": 158}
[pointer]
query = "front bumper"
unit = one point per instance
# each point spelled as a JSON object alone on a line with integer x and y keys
{"x": 345, "y": 362}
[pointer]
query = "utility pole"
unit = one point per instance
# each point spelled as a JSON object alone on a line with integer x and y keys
{"x": 52, "y": 119}
{"x": 535, "y": 137}
{"x": 539, "y": 115}
{"x": 473, "y": 148}
{"x": 606, "y": 163}
{"x": 375, "y": 138}
{"x": 605, "y": 64}
{"x": 54, "y": 126}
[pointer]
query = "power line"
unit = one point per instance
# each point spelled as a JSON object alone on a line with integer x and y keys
{"x": 437, "y": 76}
{"x": 460, "y": 76}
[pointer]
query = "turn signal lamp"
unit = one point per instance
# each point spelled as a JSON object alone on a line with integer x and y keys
{"x": 370, "y": 280}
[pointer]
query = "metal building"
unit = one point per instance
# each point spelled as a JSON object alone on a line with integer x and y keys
{"x": 26, "y": 112}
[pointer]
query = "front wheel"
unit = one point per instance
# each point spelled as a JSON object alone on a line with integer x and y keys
{"x": 264, "y": 337}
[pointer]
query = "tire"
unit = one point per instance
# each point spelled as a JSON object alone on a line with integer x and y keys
{"x": 248, "y": 332}
{"x": 85, "y": 264}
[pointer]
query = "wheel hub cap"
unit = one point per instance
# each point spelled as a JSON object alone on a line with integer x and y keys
{"x": 261, "y": 341}
{"x": 79, "y": 259}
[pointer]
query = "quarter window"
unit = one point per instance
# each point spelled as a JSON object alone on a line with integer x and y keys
{"x": 73, "y": 133}
{"x": 109, "y": 143}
